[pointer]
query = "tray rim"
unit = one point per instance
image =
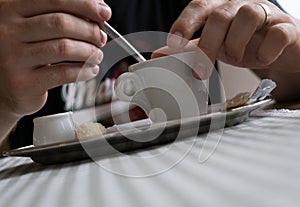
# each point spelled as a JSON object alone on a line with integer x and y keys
{"x": 238, "y": 112}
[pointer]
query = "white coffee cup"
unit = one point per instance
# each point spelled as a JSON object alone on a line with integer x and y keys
{"x": 53, "y": 129}
{"x": 165, "y": 88}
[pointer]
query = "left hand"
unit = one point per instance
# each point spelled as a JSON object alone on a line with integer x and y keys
{"x": 235, "y": 32}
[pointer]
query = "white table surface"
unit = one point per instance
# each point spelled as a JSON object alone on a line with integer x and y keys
{"x": 256, "y": 163}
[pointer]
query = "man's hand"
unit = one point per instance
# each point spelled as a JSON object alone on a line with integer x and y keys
{"x": 235, "y": 32}
{"x": 44, "y": 44}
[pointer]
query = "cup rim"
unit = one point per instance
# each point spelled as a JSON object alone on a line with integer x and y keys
{"x": 137, "y": 66}
{"x": 48, "y": 117}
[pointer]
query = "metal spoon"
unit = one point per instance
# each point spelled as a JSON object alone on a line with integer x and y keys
{"x": 112, "y": 33}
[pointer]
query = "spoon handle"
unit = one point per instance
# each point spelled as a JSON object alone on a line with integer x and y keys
{"x": 112, "y": 33}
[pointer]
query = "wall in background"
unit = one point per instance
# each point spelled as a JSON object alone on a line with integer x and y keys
{"x": 291, "y": 6}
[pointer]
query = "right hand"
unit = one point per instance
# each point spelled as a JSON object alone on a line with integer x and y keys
{"x": 235, "y": 32}
{"x": 45, "y": 44}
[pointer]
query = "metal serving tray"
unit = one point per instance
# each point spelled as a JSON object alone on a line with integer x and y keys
{"x": 118, "y": 141}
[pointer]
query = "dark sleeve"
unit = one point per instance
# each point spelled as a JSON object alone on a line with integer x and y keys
{"x": 277, "y": 4}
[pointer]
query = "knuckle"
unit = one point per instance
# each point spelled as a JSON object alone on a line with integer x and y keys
{"x": 95, "y": 33}
{"x": 60, "y": 22}
{"x": 61, "y": 74}
{"x": 188, "y": 25}
{"x": 196, "y": 4}
{"x": 64, "y": 47}
{"x": 181, "y": 24}
{"x": 93, "y": 50}
{"x": 67, "y": 74}
{"x": 93, "y": 56}
{"x": 222, "y": 15}
{"x": 280, "y": 33}
{"x": 248, "y": 11}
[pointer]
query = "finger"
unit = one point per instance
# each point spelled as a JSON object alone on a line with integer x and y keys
{"x": 191, "y": 46}
{"x": 90, "y": 9}
{"x": 190, "y": 20}
{"x": 276, "y": 40}
{"x": 61, "y": 50}
{"x": 55, "y": 75}
{"x": 239, "y": 35}
{"x": 215, "y": 30}
{"x": 61, "y": 25}
{"x": 202, "y": 67}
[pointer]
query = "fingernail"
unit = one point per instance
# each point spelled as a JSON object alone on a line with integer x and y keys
{"x": 95, "y": 70}
{"x": 105, "y": 11}
{"x": 99, "y": 56}
{"x": 90, "y": 72}
{"x": 103, "y": 38}
{"x": 175, "y": 40}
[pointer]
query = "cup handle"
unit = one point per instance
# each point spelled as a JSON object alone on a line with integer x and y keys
{"x": 126, "y": 86}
